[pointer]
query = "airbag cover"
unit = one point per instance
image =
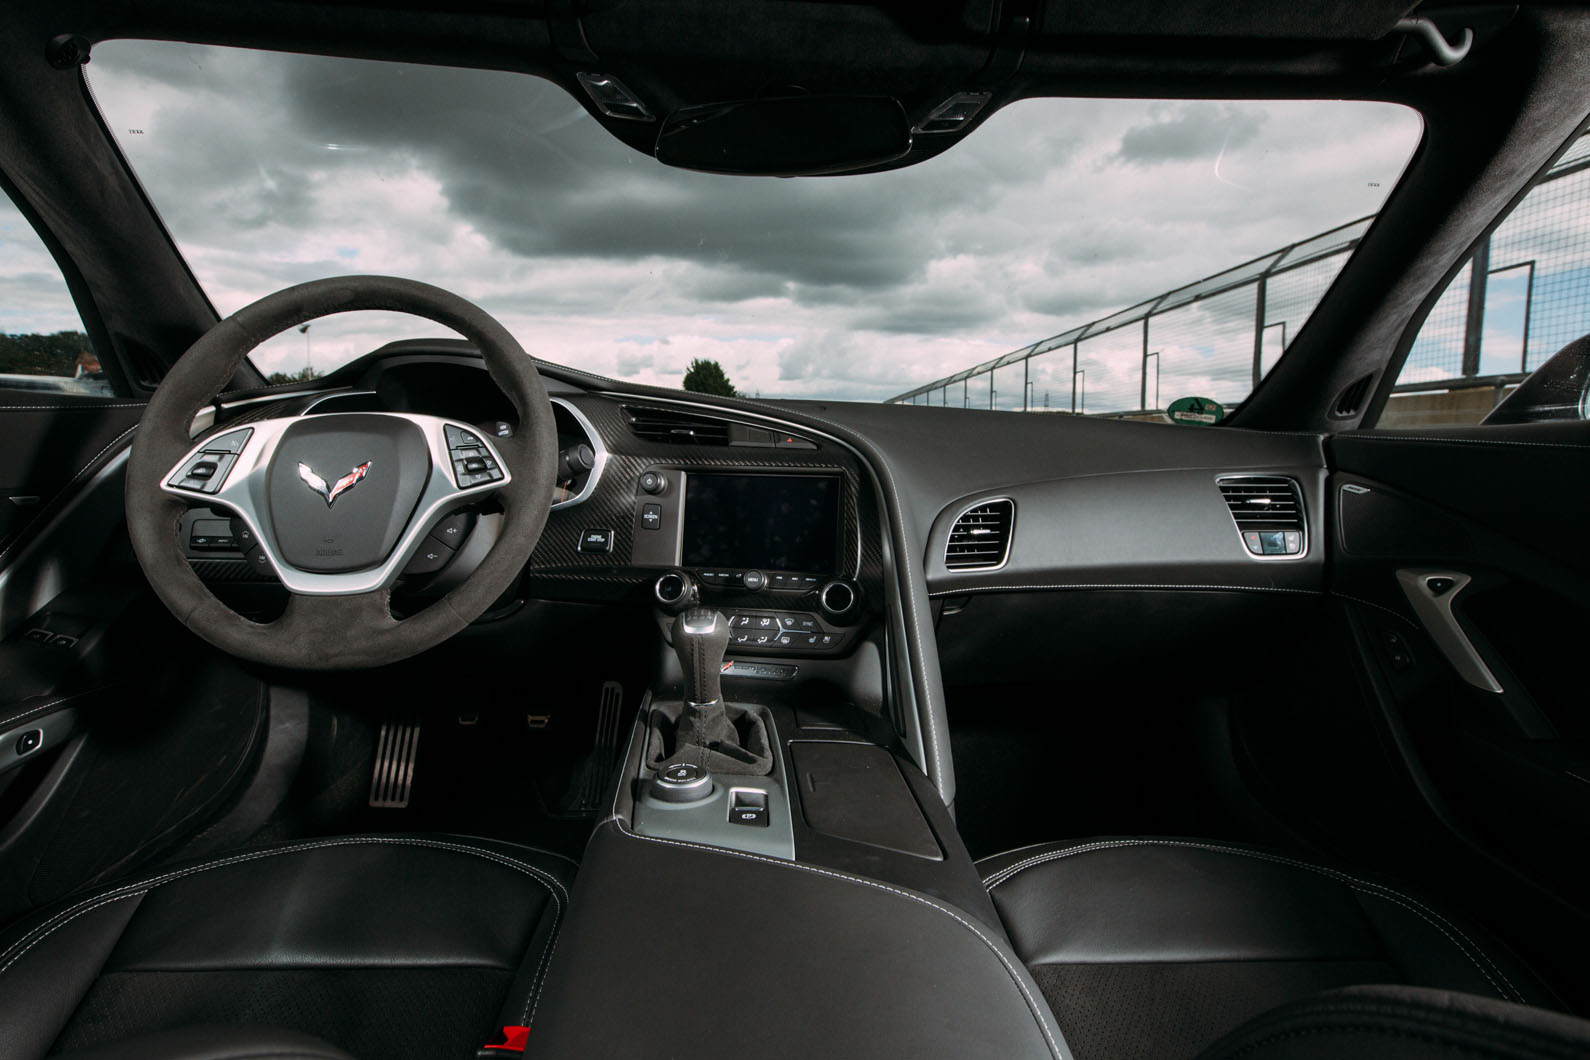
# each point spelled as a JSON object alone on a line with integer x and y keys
{"x": 360, "y": 526}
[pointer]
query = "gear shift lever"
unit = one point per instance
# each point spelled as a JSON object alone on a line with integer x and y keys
{"x": 703, "y": 731}
{"x": 701, "y": 636}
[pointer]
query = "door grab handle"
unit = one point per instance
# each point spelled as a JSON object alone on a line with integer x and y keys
{"x": 1431, "y": 593}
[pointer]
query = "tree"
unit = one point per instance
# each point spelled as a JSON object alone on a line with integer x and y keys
{"x": 303, "y": 375}
{"x": 708, "y": 377}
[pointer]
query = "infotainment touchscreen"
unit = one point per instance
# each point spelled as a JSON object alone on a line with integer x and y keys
{"x": 761, "y": 522}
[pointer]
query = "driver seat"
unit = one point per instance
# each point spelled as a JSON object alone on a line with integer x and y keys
{"x": 379, "y": 945}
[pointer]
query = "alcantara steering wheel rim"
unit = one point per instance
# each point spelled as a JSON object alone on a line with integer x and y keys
{"x": 348, "y": 626}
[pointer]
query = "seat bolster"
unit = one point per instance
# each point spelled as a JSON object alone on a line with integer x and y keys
{"x": 48, "y": 965}
{"x": 1142, "y": 899}
{"x": 1410, "y": 1023}
{"x": 214, "y": 1043}
{"x": 1150, "y": 901}
{"x": 1425, "y": 946}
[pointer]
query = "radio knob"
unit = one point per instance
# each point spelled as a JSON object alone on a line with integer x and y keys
{"x": 837, "y": 598}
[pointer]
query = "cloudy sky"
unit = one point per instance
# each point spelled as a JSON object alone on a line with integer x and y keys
{"x": 274, "y": 169}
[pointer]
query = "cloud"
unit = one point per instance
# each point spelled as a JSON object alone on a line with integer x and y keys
{"x": 272, "y": 169}
{"x": 1191, "y": 130}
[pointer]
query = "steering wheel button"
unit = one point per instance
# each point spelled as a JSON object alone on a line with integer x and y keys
{"x": 474, "y": 464}
{"x": 232, "y": 442}
{"x": 432, "y": 557}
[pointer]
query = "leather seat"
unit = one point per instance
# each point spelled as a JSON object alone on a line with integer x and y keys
{"x": 380, "y": 946}
{"x": 1155, "y": 948}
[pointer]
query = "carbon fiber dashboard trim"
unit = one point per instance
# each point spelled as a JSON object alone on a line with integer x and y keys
{"x": 612, "y": 504}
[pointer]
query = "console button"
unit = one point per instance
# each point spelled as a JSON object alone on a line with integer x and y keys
{"x": 830, "y": 640}
{"x": 1254, "y": 542}
{"x": 762, "y": 638}
{"x": 785, "y": 640}
{"x": 1293, "y": 540}
{"x": 598, "y": 540}
{"x": 651, "y": 517}
{"x": 748, "y": 807}
{"x": 762, "y": 622}
{"x": 806, "y": 622}
{"x": 754, "y": 580}
{"x": 789, "y": 621}
{"x": 741, "y": 637}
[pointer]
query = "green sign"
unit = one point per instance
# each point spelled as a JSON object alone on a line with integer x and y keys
{"x": 1196, "y": 411}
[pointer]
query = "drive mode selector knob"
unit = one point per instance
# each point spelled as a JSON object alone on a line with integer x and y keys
{"x": 681, "y": 782}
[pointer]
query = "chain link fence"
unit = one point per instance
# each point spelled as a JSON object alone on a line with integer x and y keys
{"x": 1216, "y": 338}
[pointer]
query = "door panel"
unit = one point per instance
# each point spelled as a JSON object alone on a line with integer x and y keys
{"x": 1486, "y": 522}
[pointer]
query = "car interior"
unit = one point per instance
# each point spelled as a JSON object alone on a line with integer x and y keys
{"x": 458, "y": 702}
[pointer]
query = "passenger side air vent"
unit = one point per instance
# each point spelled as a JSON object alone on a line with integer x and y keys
{"x": 1268, "y": 511}
{"x": 676, "y": 428}
{"x": 980, "y": 538}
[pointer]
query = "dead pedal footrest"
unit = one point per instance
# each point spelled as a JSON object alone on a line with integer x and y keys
{"x": 396, "y": 748}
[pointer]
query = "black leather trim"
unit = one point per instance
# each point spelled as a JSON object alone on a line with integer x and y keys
{"x": 214, "y": 1043}
{"x": 387, "y": 901}
{"x": 1143, "y": 899}
{"x": 1410, "y": 1023}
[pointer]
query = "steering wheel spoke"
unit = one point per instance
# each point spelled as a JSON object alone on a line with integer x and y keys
{"x": 329, "y": 518}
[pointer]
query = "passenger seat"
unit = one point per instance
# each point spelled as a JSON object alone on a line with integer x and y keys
{"x": 1154, "y": 949}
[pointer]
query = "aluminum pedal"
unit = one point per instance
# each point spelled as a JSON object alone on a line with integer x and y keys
{"x": 590, "y": 784}
{"x": 396, "y": 748}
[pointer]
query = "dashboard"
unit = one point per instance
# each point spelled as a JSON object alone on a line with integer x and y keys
{"x": 657, "y": 503}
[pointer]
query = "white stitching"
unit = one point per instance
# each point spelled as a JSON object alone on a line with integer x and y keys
{"x": 22, "y": 533}
{"x": 81, "y": 912}
{"x": 1426, "y": 914}
{"x": 617, "y": 819}
{"x": 1009, "y": 968}
{"x": 1123, "y": 586}
{"x": 553, "y": 886}
{"x": 46, "y": 706}
{"x": 72, "y": 408}
{"x": 1462, "y": 441}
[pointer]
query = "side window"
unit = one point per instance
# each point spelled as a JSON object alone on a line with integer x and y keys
{"x": 1524, "y": 296}
{"x": 43, "y": 345}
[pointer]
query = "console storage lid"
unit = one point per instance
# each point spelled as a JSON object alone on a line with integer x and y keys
{"x": 673, "y": 949}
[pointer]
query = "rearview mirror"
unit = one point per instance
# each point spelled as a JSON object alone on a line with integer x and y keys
{"x": 788, "y": 136}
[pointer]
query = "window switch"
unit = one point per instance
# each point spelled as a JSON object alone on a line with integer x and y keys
{"x": 748, "y": 806}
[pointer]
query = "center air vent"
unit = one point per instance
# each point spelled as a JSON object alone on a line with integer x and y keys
{"x": 980, "y": 538}
{"x": 1268, "y": 511}
{"x": 677, "y": 428}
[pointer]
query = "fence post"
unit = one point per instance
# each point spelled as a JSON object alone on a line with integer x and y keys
{"x": 1142, "y": 369}
{"x": 1474, "y": 320}
{"x": 1259, "y": 313}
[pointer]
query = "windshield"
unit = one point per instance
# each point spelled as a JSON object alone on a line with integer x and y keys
{"x": 271, "y": 169}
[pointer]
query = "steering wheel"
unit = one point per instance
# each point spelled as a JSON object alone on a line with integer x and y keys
{"x": 337, "y": 503}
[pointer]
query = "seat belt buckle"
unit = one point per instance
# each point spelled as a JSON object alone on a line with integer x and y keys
{"x": 509, "y": 1041}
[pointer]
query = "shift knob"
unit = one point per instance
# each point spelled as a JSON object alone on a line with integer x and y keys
{"x": 701, "y": 636}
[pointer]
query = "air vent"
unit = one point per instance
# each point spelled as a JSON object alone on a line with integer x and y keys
{"x": 1268, "y": 511}
{"x": 677, "y": 428}
{"x": 1351, "y": 399}
{"x": 980, "y": 538}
